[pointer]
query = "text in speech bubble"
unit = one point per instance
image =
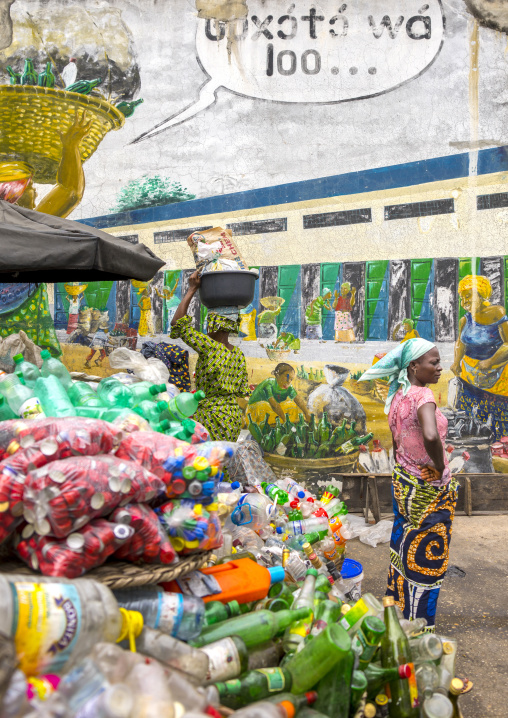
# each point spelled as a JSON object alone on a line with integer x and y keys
{"x": 315, "y": 54}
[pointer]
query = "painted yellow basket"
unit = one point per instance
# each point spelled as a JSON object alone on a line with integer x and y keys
{"x": 345, "y": 464}
{"x": 32, "y": 117}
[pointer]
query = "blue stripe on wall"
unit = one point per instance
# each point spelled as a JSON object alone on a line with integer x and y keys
{"x": 382, "y": 178}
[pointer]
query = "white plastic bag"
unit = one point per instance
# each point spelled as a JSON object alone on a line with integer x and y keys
{"x": 371, "y": 534}
{"x": 147, "y": 369}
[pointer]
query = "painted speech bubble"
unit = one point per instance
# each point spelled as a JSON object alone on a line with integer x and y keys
{"x": 312, "y": 53}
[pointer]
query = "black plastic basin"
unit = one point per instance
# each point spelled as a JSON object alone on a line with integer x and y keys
{"x": 227, "y": 289}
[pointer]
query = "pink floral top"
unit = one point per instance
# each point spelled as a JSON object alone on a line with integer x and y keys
{"x": 407, "y": 432}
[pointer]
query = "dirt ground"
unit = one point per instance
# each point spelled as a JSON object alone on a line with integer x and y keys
{"x": 472, "y": 608}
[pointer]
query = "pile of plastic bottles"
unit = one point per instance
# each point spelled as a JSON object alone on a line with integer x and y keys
{"x": 29, "y": 392}
{"x": 274, "y": 626}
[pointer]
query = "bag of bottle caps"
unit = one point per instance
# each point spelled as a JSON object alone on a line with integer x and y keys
{"x": 63, "y": 496}
{"x": 9, "y": 431}
{"x": 190, "y": 526}
{"x": 82, "y": 435}
{"x": 76, "y": 554}
{"x": 149, "y": 543}
{"x": 188, "y": 470}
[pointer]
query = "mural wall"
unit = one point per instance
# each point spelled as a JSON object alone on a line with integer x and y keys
{"x": 354, "y": 149}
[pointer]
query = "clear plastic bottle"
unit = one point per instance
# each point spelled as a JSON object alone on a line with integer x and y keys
{"x": 113, "y": 702}
{"x": 43, "y": 611}
{"x": 51, "y": 366}
{"x": 5, "y": 410}
{"x": 174, "y": 653}
{"x": 113, "y": 393}
{"x": 254, "y": 511}
{"x": 380, "y": 458}
{"x": 27, "y": 372}
{"x": 315, "y": 523}
{"x": 146, "y": 391}
{"x": 14, "y": 701}
{"x": 185, "y": 404}
{"x": 53, "y": 396}
{"x": 20, "y": 398}
{"x": 82, "y": 394}
{"x": 172, "y": 613}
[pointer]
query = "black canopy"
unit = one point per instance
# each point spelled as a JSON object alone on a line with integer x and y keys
{"x": 37, "y": 247}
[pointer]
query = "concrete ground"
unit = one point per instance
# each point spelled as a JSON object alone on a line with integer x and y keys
{"x": 472, "y": 608}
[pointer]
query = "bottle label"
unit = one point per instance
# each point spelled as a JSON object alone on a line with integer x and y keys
{"x": 224, "y": 661}
{"x": 46, "y": 624}
{"x": 413, "y": 688}
{"x": 355, "y": 614}
{"x": 31, "y": 409}
{"x": 297, "y": 528}
{"x": 275, "y": 679}
{"x": 170, "y": 612}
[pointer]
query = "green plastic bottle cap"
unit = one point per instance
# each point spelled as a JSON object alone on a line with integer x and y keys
{"x": 164, "y": 425}
{"x": 162, "y": 406}
{"x": 45, "y": 354}
{"x": 17, "y": 358}
{"x": 311, "y": 572}
{"x": 200, "y": 394}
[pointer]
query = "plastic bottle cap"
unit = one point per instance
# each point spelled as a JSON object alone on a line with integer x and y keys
{"x": 311, "y": 572}
{"x": 387, "y": 600}
{"x": 405, "y": 670}
{"x": 288, "y": 707}
{"x": 301, "y": 494}
{"x": 370, "y": 710}
{"x": 45, "y": 354}
{"x": 277, "y": 574}
{"x": 456, "y": 686}
{"x": 17, "y": 358}
{"x": 279, "y": 530}
{"x": 381, "y": 699}
{"x": 351, "y": 568}
{"x": 235, "y": 485}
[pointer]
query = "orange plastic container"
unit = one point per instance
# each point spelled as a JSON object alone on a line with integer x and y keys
{"x": 243, "y": 581}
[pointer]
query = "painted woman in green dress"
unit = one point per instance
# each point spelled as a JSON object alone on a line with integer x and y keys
{"x": 221, "y": 370}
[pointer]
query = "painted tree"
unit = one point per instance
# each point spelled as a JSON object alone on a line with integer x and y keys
{"x": 150, "y": 192}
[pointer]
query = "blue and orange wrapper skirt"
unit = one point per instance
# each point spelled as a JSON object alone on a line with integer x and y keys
{"x": 420, "y": 543}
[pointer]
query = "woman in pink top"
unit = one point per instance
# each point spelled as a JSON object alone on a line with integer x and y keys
{"x": 424, "y": 493}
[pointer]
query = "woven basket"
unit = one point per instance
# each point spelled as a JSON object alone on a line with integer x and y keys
{"x": 118, "y": 574}
{"x": 31, "y": 118}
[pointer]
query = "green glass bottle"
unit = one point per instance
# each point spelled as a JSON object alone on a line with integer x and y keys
{"x": 266, "y": 427}
{"x": 253, "y": 686}
{"x": 14, "y": 77}
{"x": 318, "y": 658}
{"x": 334, "y": 689}
{"x": 255, "y": 431}
{"x": 46, "y": 78}
{"x": 253, "y": 628}
{"x": 368, "y": 639}
{"x": 84, "y": 87}
{"x": 328, "y": 612}
{"x": 282, "y": 592}
{"x": 325, "y": 429}
{"x": 298, "y": 631}
{"x": 215, "y": 611}
{"x": 351, "y": 432}
{"x": 127, "y": 108}
{"x": 324, "y": 450}
{"x": 302, "y": 429}
{"x": 395, "y": 651}
{"x": 288, "y": 425}
{"x": 28, "y": 76}
{"x": 278, "y": 431}
{"x": 269, "y": 441}
{"x": 456, "y": 687}
{"x": 312, "y": 423}
{"x": 377, "y": 676}
{"x": 338, "y": 436}
{"x": 358, "y": 687}
{"x": 312, "y": 446}
{"x": 348, "y": 447}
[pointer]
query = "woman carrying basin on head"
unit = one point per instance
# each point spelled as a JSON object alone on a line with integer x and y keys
{"x": 424, "y": 492}
{"x": 221, "y": 370}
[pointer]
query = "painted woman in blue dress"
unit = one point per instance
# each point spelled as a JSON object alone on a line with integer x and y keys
{"x": 481, "y": 354}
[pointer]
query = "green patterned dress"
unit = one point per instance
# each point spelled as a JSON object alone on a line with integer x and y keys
{"x": 221, "y": 373}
